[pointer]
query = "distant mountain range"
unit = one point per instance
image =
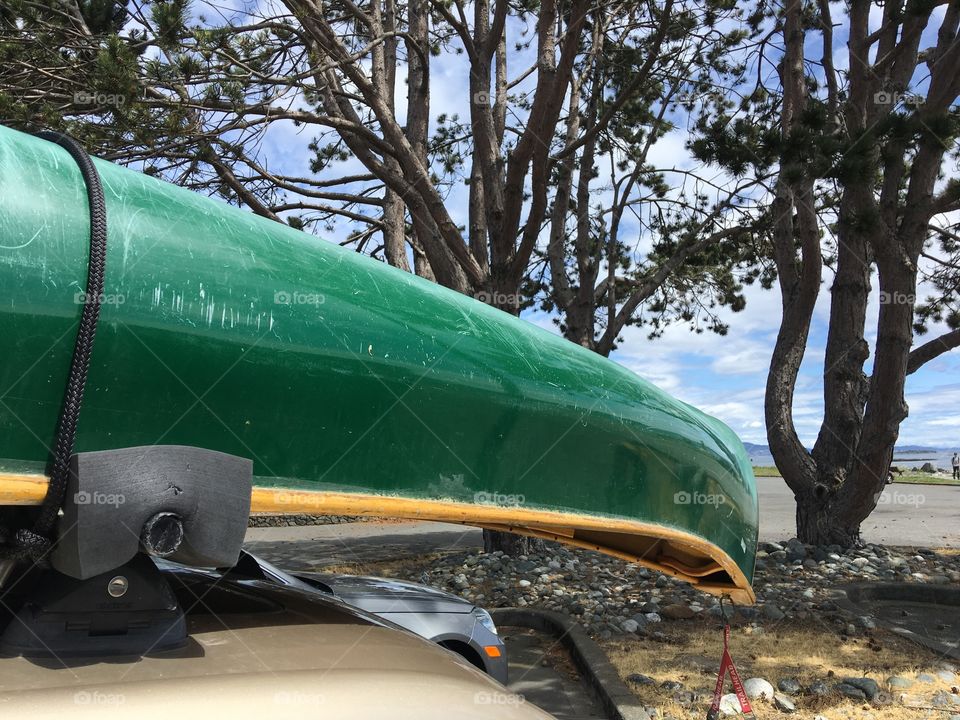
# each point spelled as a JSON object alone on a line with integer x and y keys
{"x": 763, "y": 451}
{"x": 903, "y": 449}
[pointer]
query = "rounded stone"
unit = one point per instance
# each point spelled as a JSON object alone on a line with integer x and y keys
{"x": 758, "y": 688}
{"x": 867, "y": 686}
{"x": 730, "y": 704}
{"x": 677, "y": 611}
{"x": 790, "y": 686}
{"x": 784, "y": 703}
{"x": 772, "y": 612}
{"x": 849, "y": 691}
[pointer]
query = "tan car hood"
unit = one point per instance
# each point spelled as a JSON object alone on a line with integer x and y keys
{"x": 289, "y": 671}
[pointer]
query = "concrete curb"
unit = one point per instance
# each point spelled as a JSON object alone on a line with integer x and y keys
{"x": 615, "y": 697}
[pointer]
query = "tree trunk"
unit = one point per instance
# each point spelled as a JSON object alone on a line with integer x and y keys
{"x": 510, "y": 544}
{"x": 394, "y": 233}
{"x": 819, "y": 521}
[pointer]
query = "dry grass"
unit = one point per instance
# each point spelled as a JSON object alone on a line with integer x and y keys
{"x": 806, "y": 652}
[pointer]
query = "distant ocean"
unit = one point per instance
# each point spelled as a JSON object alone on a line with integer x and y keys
{"x": 904, "y": 459}
{"x": 907, "y": 460}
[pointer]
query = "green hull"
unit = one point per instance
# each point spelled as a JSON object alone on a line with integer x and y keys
{"x": 334, "y": 372}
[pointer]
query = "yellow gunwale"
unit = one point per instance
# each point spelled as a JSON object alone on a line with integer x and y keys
{"x": 586, "y": 531}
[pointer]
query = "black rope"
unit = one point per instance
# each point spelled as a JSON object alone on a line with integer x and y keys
{"x": 18, "y": 543}
{"x": 59, "y": 466}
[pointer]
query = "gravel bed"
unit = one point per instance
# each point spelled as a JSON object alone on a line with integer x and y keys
{"x": 609, "y": 596}
{"x": 292, "y": 520}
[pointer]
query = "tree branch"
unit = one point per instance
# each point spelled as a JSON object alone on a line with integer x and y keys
{"x": 932, "y": 349}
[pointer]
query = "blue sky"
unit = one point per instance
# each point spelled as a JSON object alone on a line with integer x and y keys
{"x": 723, "y": 375}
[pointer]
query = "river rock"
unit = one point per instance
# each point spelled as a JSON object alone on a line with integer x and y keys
{"x": 677, "y": 611}
{"x": 730, "y": 704}
{"x": 851, "y": 691}
{"x": 940, "y": 699}
{"x": 790, "y": 686}
{"x": 772, "y": 612}
{"x": 687, "y": 698}
{"x": 784, "y": 703}
{"x": 868, "y": 686}
{"x": 899, "y": 683}
{"x": 758, "y": 688}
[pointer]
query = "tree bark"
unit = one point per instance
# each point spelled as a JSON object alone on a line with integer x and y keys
{"x": 794, "y": 218}
{"x": 820, "y": 523}
{"x": 510, "y": 544}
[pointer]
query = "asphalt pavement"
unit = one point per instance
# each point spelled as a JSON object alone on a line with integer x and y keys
{"x": 913, "y": 515}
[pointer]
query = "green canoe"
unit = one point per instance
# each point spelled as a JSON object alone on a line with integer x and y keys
{"x": 354, "y": 387}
